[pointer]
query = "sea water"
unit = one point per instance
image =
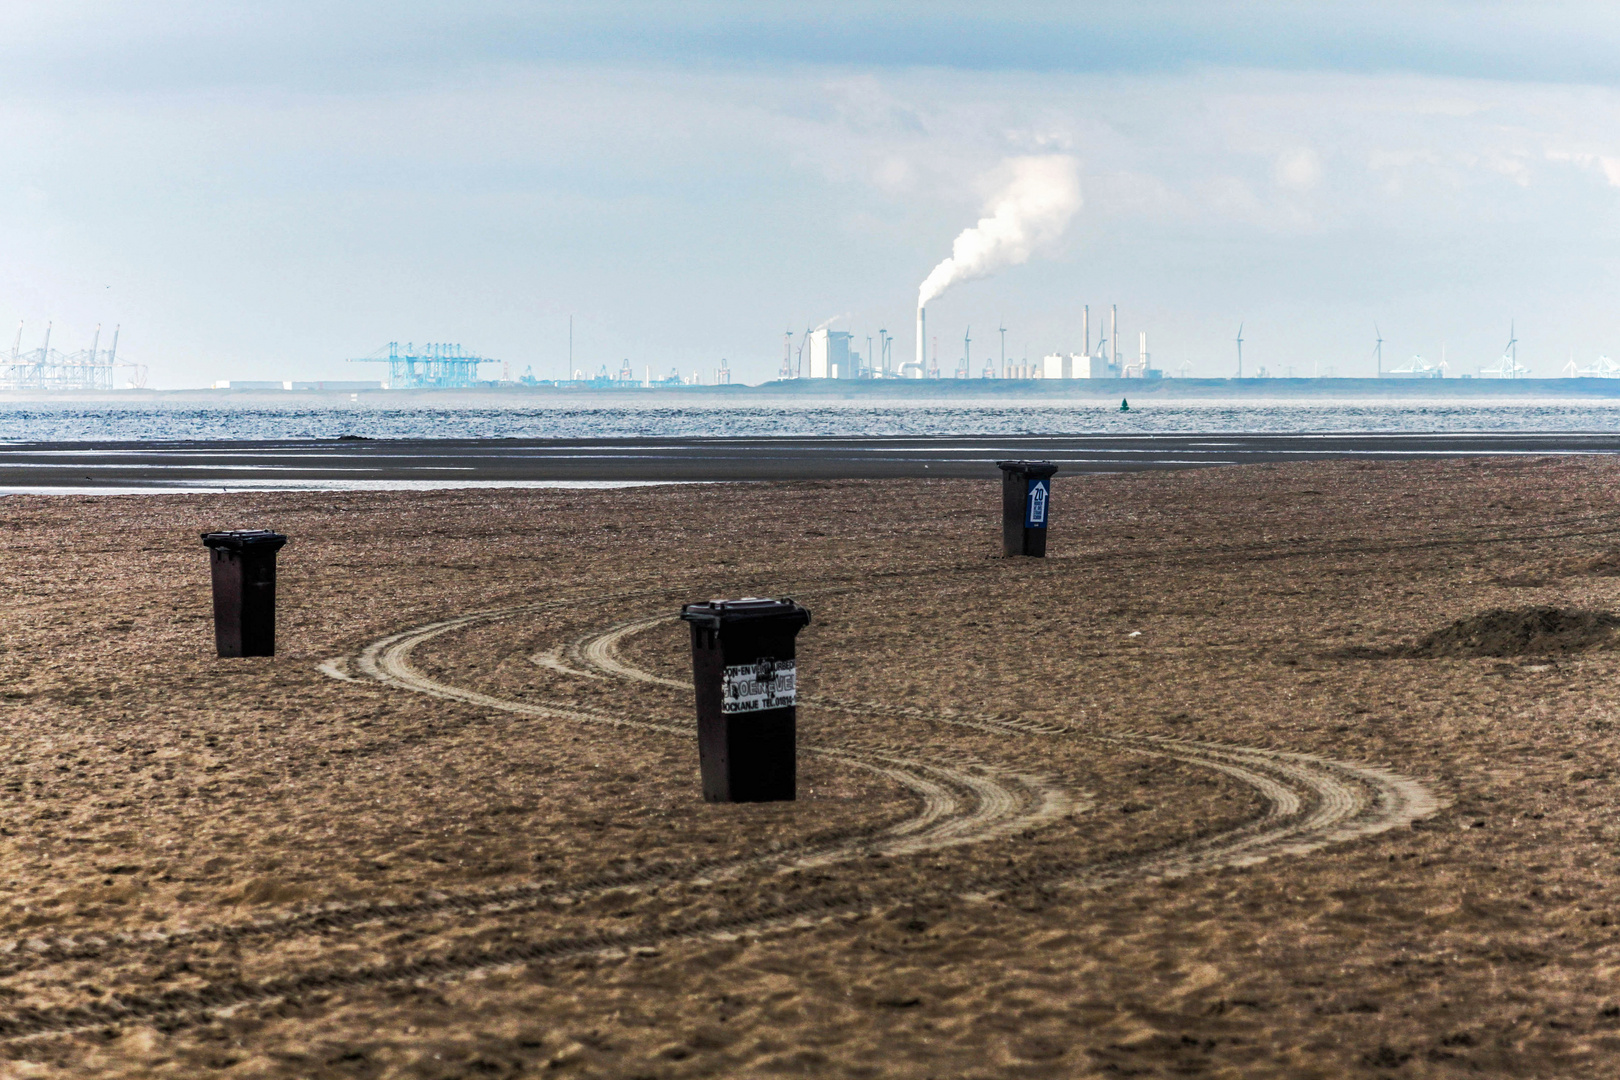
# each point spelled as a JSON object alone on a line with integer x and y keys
{"x": 149, "y": 421}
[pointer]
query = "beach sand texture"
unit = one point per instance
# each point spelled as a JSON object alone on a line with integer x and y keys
{"x": 1219, "y": 788}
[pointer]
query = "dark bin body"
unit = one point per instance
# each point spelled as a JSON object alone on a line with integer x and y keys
{"x": 744, "y": 671}
{"x": 1024, "y": 513}
{"x": 244, "y": 572}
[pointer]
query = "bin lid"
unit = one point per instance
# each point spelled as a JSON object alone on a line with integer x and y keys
{"x": 717, "y": 614}
{"x": 242, "y": 539}
{"x": 1029, "y": 468}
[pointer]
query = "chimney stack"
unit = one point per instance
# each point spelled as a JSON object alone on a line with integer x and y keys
{"x": 922, "y": 350}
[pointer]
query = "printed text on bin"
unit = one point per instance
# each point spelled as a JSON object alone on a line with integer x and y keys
{"x": 1035, "y": 504}
{"x": 763, "y": 684}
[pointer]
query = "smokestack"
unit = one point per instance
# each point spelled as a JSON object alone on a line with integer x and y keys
{"x": 1033, "y": 209}
{"x": 1144, "y": 350}
{"x": 1085, "y": 326}
{"x": 922, "y": 349}
{"x": 1113, "y": 330}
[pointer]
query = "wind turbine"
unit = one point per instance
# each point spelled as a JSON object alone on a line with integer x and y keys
{"x": 1379, "y": 349}
{"x": 1512, "y": 347}
{"x": 1240, "y": 350}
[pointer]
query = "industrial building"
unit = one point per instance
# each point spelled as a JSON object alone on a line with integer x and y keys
{"x": 432, "y": 367}
{"x": 1096, "y": 367}
{"x": 1602, "y": 368}
{"x": 1103, "y": 362}
{"x": 830, "y": 356}
{"x": 46, "y": 368}
{"x": 1505, "y": 368}
{"x": 1415, "y": 368}
{"x": 1082, "y": 366}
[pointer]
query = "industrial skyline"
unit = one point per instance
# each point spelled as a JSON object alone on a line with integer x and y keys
{"x": 822, "y": 352}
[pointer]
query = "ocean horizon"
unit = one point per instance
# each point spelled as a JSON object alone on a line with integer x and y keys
{"x": 157, "y": 420}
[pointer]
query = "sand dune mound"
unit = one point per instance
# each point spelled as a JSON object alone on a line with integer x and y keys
{"x": 1530, "y": 631}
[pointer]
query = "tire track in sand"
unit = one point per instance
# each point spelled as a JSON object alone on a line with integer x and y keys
{"x": 957, "y": 805}
{"x": 1312, "y": 801}
{"x": 952, "y": 806}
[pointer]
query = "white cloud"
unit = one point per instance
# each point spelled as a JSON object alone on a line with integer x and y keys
{"x": 1606, "y": 164}
{"x": 894, "y": 175}
{"x": 682, "y": 213}
{"x": 1300, "y": 169}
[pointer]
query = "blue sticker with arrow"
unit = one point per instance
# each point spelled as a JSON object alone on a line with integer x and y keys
{"x": 1040, "y": 493}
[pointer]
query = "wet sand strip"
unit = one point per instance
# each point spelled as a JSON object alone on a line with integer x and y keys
{"x": 350, "y": 464}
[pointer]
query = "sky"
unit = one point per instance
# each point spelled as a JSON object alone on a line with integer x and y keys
{"x": 262, "y": 191}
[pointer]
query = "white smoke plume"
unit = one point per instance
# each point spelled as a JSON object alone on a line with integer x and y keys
{"x": 1032, "y": 210}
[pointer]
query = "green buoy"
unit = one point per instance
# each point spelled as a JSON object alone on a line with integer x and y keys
{"x": 1124, "y": 406}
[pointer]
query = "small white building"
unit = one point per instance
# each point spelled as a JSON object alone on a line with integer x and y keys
{"x": 1094, "y": 367}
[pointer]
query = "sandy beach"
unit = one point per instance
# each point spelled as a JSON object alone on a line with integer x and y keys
{"x": 1297, "y": 770}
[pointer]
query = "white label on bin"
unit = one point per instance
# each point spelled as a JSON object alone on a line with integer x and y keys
{"x": 764, "y": 684}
